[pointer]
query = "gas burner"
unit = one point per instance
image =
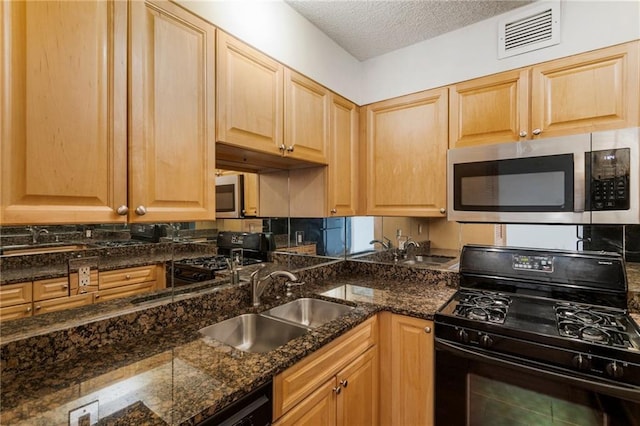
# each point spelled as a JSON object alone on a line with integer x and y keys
{"x": 483, "y": 306}
{"x": 591, "y": 324}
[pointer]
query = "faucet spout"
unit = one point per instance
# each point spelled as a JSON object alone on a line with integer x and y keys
{"x": 259, "y": 284}
{"x": 386, "y": 243}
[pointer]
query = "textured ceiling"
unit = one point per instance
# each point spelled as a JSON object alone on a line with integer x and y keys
{"x": 368, "y": 28}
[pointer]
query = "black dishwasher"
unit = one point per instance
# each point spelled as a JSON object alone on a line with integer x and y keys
{"x": 254, "y": 409}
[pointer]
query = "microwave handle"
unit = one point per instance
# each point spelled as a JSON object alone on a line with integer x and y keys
{"x": 580, "y": 184}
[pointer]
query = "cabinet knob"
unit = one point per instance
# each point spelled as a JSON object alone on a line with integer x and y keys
{"x": 523, "y": 133}
{"x": 427, "y": 330}
{"x": 282, "y": 147}
{"x": 334, "y": 211}
{"x": 122, "y": 210}
{"x": 290, "y": 149}
{"x": 337, "y": 390}
{"x": 65, "y": 286}
{"x": 128, "y": 276}
{"x": 38, "y": 307}
{"x": 536, "y": 131}
{"x": 344, "y": 383}
{"x": 443, "y": 211}
{"x": 29, "y": 309}
{"x": 141, "y": 210}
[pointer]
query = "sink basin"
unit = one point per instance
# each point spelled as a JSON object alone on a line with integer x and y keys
{"x": 428, "y": 260}
{"x": 253, "y": 333}
{"x": 309, "y": 312}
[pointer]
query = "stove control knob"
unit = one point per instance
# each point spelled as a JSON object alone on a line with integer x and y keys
{"x": 580, "y": 362}
{"x": 200, "y": 277}
{"x": 614, "y": 370}
{"x": 463, "y": 336}
{"x": 486, "y": 341}
{"x": 177, "y": 271}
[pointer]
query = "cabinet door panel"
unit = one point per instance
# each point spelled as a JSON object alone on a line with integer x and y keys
{"x": 489, "y": 110}
{"x": 406, "y": 152}
{"x": 318, "y": 409}
{"x": 171, "y": 158}
{"x": 64, "y": 111}
{"x": 306, "y": 118}
{"x": 358, "y": 399}
{"x": 250, "y": 97}
{"x": 588, "y": 92}
{"x": 343, "y": 158}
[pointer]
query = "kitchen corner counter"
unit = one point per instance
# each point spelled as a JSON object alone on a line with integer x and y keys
{"x": 176, "y": 376}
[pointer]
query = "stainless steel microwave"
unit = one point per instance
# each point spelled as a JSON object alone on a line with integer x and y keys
{"x": 229, "y": 197}
{"x": 581, "y": 179}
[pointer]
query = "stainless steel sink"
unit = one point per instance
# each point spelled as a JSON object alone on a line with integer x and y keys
{"x": 309, "y": 312}
{"x": 428, "y": 260}
{"x": 253, "y": 333}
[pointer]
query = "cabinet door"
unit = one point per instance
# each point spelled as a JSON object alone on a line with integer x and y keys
{"x": 306, "y": 119}
{"x": 318, "y": 409}
{"x": 250, "y": 97}
{"x": 343, "y": 158}
{"x": 62, "y": 303}
{"x": 250, "y": 194}
{"x": 489, "y": 110}
{"x": 64, "y": 101}
{"x": 588, "y": 92}
{"x": 410, "y": 392}
{"x": 16, "y": 294}
{"x": 407, "y": 155}
{"x": 172, "y": 127}
{"x": 358, "y": 399}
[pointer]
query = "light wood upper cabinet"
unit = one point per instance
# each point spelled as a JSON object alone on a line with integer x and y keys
{"x": 584, "y": 93}
{"x": 172, "y": 125}
{"x": 306, "y": 119}
{"x": 407, "y": 370}
{"x": 491, "y": 109}
{"x": 64, "y": 122}
{"x": 343, "y": 158}
{"x": 406, "y": 148}
{"x": 250, "y": 97}
{"x": 588, "y": 92}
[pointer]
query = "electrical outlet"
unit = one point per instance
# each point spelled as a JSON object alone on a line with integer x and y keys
{"x": 86, "y": 415}
{"x": 84, "y": 276}
{"x": 87, "y": 233}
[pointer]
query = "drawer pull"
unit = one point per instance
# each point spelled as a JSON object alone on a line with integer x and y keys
{"x": 38, "y": 308}
{"x": 337, "y": 390}
{"x": 128, "y": 276}
{"x": 427, "y": 330}
{"x": 29, "y": 309}
{"x": 344, "y": 383}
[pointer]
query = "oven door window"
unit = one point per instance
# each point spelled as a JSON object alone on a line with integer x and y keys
{"x": 225, "y": 198}
{"x": 532, "y": 184}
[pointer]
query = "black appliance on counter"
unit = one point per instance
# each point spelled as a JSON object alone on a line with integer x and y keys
{"x": 537, "y": 337}
{"x": 255, "y": 249}
{"x": 253, "y": 409}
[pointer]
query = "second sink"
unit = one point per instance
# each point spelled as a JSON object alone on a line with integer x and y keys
{"x": 253, "y": 333}
{"x": 309, "y": 312}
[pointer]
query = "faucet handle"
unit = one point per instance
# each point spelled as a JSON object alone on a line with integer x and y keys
{"x": 290, "y": 284}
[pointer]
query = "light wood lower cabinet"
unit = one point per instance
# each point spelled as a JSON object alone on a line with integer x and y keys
{"x": 129, "y": 282}
{"x": 62, "y": 303}
{"x": 407, "y": 370}
{"x": 337, "y": 384}
{"x": 16, "y": 301}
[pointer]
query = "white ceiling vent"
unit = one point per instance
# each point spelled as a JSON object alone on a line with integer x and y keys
{"x": 529, "y": 29}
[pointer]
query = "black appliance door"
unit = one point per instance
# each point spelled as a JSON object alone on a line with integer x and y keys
{"x": 475, "y": 388}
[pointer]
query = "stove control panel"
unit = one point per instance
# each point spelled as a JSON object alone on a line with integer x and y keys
{"x": 543, "y": 263}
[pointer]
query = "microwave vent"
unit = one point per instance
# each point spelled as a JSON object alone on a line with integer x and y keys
{"x": 530, "y": 29}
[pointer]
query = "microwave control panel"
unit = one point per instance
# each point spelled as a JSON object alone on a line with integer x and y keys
{"x": 607, "y": 184}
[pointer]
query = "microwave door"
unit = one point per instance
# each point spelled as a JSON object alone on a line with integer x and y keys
{"x": 229, "y": 197}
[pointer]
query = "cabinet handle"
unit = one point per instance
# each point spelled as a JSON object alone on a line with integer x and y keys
{"x": 122, "y": 210}
{"x": 344, "y": 383}
{"x": 128, "y": 276}
{"x": 523, "y": 133}
{"x": 141, "y": 210}
{"x": 29, "y": 309}
{"x": 427, "y": 330}
{"x": 337, "y": 390}
{"x": 290, "y": 149}
{"x": 536, "y": 131}
{"x": 443, "y": 211}
{"x": 38, "y": 308}
{"x": 282, "y": 147}
{"x": 334, "y": 211}
{"x": 65, "y": 286}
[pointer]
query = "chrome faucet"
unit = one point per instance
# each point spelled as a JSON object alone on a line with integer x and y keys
{"x": 36, "y": 232}
{"x": 410, "y": 242}
{"x": 258, "y": 284}
{"x": 386, "y": 244}
{"x": 234, "y": 262}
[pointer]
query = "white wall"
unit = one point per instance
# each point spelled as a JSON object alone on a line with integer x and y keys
{"x": 282, "y": 33}
{"x": 276, "y": 29}
{"x": 472, "y": 51}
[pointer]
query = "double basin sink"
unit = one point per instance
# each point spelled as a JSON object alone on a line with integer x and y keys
{"x": 271, "y": 329}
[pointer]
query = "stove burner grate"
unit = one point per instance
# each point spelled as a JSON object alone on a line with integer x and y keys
{"x": 591, "y": 324}
{"x": 483, "y": 306}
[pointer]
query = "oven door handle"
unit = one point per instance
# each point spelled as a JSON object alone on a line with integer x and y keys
{"x": 628, "y": 393}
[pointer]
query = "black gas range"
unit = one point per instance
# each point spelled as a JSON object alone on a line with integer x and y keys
{"x": 242, "y": 247}
{"x": 530, "y": 322}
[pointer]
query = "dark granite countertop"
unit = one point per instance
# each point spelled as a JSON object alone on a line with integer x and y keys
{"x": 178, "y": 377}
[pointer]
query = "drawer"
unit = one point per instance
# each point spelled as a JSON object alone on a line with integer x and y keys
{"x": 62, "y": 303}
{"x": 15, "y": 294}
{"x": 50, "y": 289}
{"x": 16, "y": 311}
{"x": 294, "y": 384}
{"x": 124, "y": 291}
{"x": 121, "y": 277}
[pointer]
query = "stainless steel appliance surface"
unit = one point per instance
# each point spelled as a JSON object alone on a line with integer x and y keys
{"x": 537, "y": 337}
{"x": 230, "y": 196}
{"x": 582, "y": 179}
{"x": 246, "y": 249}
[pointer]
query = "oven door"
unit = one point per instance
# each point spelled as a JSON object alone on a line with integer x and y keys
{"x": 477, "y": 388}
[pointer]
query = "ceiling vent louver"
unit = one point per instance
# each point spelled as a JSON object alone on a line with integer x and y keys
{"x": 529, "y": 29}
